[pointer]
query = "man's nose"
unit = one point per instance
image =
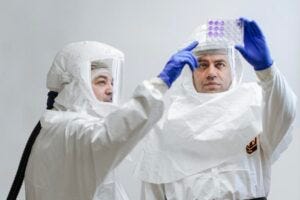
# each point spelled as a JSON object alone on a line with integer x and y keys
{"x": 109, "y": 90}
{"x": 211, "y": 72}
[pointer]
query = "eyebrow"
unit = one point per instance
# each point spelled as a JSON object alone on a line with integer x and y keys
{"x": 202, "y": 60}
{"x": 104, "y": 77}
{"x": 220, "y": 60}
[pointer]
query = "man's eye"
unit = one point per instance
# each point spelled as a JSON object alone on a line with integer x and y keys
{"x": 203, "y": 65}
{"x": 220, "y": 65}
{"x": 101, "y": 82}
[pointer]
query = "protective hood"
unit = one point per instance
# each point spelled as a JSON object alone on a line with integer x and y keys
{"x": 201, "y": 130}
{"x": 70, "y": 76}
{"x": 220, "y": 36}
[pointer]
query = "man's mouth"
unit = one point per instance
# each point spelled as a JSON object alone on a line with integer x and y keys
{"x": 211, "y": 84}
{"x": 108, "y": 99}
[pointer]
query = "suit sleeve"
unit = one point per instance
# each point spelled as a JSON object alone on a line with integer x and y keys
{"x": 109, "y": 141}
{"x": 279, "y": 109}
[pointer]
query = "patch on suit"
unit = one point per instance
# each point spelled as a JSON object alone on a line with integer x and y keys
{"x": 252, "y": 146}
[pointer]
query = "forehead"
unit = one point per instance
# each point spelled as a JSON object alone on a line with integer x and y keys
{"x": 105, "y": 75}
{"x": 212, "y": 57}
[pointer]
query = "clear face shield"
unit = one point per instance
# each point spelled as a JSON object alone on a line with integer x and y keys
{"x": 217, "y": 38}
{"x": 225, "y": 63}
{"x": 106, "y": 80}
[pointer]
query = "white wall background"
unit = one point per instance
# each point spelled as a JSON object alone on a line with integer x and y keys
{"x": 32, "y": 31}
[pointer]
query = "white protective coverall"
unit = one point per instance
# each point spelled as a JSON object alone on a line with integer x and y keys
{"x": 82, "y": 140}
{"x": 218, "y": 146}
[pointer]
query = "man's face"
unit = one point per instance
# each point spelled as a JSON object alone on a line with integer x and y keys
{"x": 102, "y": 86}
{"x": 213, "y": 73}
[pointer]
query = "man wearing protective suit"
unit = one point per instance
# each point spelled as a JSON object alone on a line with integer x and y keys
{"x": 84, "y": 135}
{"x": 219, "y": 137}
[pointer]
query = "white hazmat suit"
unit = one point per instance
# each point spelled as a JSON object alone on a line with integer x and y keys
{"x": 218, "y": 146}
{"x": 82, "y": 140}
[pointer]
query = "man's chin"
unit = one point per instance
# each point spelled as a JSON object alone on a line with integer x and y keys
{"x": 107, "y": 100}
{"x": 212, "y": 89}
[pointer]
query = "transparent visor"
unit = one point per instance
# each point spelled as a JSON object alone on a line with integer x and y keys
{"x": 214, "y": 55}
{"x": 219, "y": 37}
{"x": 106, "y": 80}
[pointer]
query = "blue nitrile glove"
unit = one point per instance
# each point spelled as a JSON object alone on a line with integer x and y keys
{"x": 255, "y": 49}
{"x": 176, "y": 63}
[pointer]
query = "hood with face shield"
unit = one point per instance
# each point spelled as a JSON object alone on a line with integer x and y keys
{"x": 69, "y": 80}
{"x": 201, "y": 130}
{"x": 218, "y": 37}
{"x": 71, "y": 75}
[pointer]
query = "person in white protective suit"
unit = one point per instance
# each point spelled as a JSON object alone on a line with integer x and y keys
{"x": 219, "y": 136}
{"x": 85, "y": 134}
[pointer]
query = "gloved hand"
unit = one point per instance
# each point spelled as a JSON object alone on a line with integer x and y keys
{"x": 255, "y": 49}
{"x": 176, "y": 63}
